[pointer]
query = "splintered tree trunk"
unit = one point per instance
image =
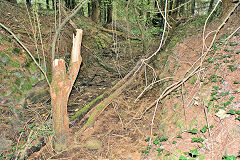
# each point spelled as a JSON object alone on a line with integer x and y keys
{"x": 95, "y": 10}
{"x": 61, "y": 86}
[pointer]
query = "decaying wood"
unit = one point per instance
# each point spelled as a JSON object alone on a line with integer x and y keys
{"x": 60, "y": 89}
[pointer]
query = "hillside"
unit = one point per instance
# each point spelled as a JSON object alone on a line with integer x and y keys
{"x": 182, "y": 104}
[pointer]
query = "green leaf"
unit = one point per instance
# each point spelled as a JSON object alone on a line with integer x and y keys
{"x": 215, "y": 87}
{"x": 179, "y": 136}
{"x": 182, "y": 158}
{"x": 226, "y": 103}
{"x": 224, "y": 93}
{"x": 204, "y": 129}
{"x": 193, "y": 131}
{"x": 147, "y": 140}
{"x": 232, "y": 44}
{"x": 194, "y": 152}
{"x": 194, "y": 139}
{"x": 156, "y": 141}
{"x": 238, "y": 118}
{"x": 232, "y": 112}
{"x": 232, "y": 68}
{"x": 200, "y": 139}
{"x": 226, "y": 157}
{"x": 167, "y": 154}
{"x": 160, "y": 150}
{"x": 231, "y": 98}
{"x": 235, "y": 82}
{"x": 237, "y": 112}
{"x": 145, "y": 151}
{"x": 165, "y": 138}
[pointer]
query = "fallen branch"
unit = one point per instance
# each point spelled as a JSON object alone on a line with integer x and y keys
{"x": 111, "y": 94}
{"x": 86, "y": 108}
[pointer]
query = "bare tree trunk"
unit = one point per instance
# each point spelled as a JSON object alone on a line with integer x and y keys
{"x": 95, "y": 10}
{"x": 175, "y": 12}
{"x": 29, "y": 4}
{"x": 81, "y": 12}
{"x": 72, "y": 4}
{"x": 109, "y": 11}
{"x": 89, "y": 9}
{"x": 210, "y": 6}
{"x": 105, "y": 12}
{"x": 47, "y": 3}
{"x": 53, "y": 5}
{"x": 182, "y": 9}
{"x": 193, "y": 7}
{"x": 170, "y": 7}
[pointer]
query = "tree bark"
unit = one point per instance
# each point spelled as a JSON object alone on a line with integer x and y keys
{"x": 60, "y": 89}
{"x": 170, "y": 7}
{"x": 53, "y": 5}
{"x": 109, "y": 11}
{"x": 89, "y": 9}
{"x": 47, "y": 3}
{"x": 95, "y": 10}
{"x": 175, "y": 12}
{"x": 29, "y": 4}
{"x": 193, "y": 7}
{"x": 182, "y": 9}
{"x": 210, "y": 6}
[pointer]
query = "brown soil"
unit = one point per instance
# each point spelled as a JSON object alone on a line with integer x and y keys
{"x": 120, "y": 131}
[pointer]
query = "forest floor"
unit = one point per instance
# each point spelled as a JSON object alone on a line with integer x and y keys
{"x": 199, "y": 120}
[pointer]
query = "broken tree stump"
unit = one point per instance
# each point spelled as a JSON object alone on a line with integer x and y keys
{"x": 61, "y": 86}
